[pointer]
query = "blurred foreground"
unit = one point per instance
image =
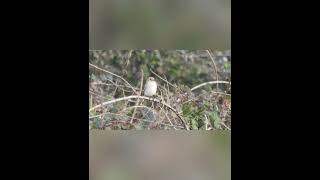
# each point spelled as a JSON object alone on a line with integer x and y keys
{"x": 166, "y": 155}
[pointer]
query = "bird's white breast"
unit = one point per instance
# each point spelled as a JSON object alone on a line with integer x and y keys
{"x": 150, "y": 88}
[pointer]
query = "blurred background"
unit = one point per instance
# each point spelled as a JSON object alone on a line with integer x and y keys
{"x": 168, "y": 24}
{"x": 159, "y": 155}
{"x": 183, "y": 24}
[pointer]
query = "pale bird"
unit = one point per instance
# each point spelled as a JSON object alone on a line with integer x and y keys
{"x": 150, "y": 88}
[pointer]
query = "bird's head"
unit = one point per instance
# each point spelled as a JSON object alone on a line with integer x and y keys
{"x": 150, "y": 78}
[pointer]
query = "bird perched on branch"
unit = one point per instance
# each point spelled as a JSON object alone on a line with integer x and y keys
{"x": 150, "y": 88}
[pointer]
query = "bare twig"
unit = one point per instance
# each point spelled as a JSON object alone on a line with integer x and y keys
{"x": 128, "y": 57}
{"x": 168, "y": 118}
{"x": 215, "y": 68}
{"x": 142, "y": 97}
{"x": 90, "y": 92}
{"x": 225, "y": 125}
{"x": 162, "y": 79}
{"x": 90, "y": 100}
{"x": 114, "y": 75}
{"x": 141, "y": 83}
{"x": 112, "y": 83}
{"x": 168, "y": 90}
{"x": 136, "y": 107}
{"x": 204, "y": 94}
{"x": 210, "y": 82}
{"x": 206, "y": 122}
{"x": 115, "y": 90}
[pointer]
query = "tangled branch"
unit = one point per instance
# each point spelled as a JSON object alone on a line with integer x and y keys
{"x": 142, "y": 97}
{"x": 114, "y": 75}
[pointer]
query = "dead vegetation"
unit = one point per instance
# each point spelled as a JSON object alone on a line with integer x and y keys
{"x": 194, "y": 90}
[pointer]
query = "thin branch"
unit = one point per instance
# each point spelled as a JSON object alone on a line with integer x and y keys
{"x": 137, "y": 104}
{"x": 112, "y": 84}
{"x": 210, "y": 82}
{"x": 215, "y": 68}
{"x": 168, "y": 118}
{"x": 225, "y": 125}
{"x": 113, "y": 75}
{"x": 91, "y": 92}
{"x": 122, "y": 86}
{"x": 162, "y": 78}
{"x": 162, "y": 110}
{"x": 135, "y": 107}
{"x": 167, "y": 92}
{"x": 142, "y": 97}
{"x": 206, "y": 122}
{"x": 115, "y": 90}
{"x": 128, "y": 57}
{"x": 205, "y": 94}
{"x": 90, "y": 100}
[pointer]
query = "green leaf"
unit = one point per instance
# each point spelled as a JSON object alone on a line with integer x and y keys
{"x": 215, "y": 119}
{"x": 97, "y": 123}
{"x": 108, "y": 117}
{"x": 92, "y": 113}
{"x": 130, "y": 113}
{"x": 194, "y": 123}
{"x": 186, "y": 109}
{"x": 227, "y": 65}
{"x": 139, "y": 127}
{"x": 116, "y": 107}
{"x": 93, "y": 77}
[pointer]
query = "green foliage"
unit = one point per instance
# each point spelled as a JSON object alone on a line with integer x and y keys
{"x": 194, "y": 115}
{"x": 227, "y": 65}
{"x": 215, "y": 119}
{"x": 164, "y": 62}
{"x": 186, "y": 109}
{"x": 116, "y": 106}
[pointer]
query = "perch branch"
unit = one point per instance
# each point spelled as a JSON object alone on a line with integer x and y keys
{"x": 142, "y": 97}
